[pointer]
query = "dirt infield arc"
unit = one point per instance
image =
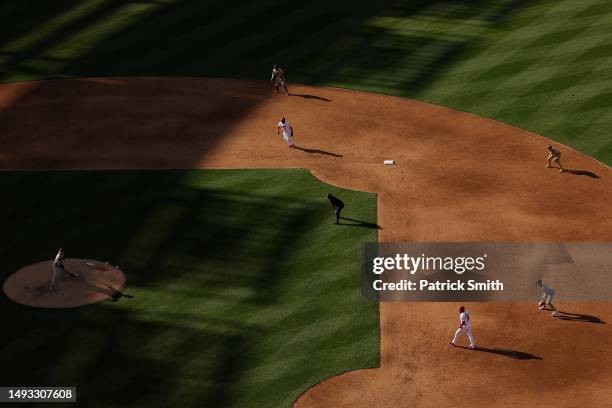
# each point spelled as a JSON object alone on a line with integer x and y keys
{"x": 458, "y": 177}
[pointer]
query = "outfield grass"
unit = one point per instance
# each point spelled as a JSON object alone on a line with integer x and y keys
{"x": 245, "y": 293}
{"x": 544, "y": 65}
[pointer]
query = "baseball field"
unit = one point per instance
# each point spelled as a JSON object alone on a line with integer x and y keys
{"x": 228, "y": 307}
{"x": 542, "y": 65}
{"x": 144, "y": 134}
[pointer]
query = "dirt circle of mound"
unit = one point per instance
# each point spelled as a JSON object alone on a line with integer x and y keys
{"x": 96, "y": 281}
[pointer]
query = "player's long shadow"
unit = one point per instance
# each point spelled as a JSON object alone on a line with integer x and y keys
{"x": 582, "y": 173}
{"x": 358, "y": 223}
{"x": 317, "y": 151}
{"x": 576, "y": 317}
{"x": 114, "y": 294}
{"x": 518, "y": 355}
{"x": 319, "y": 98}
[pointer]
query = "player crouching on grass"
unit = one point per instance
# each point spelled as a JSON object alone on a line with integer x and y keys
{"x": 547, "y": 295}
{"x": 464, "y": 326}
{"x": 337, "y": 205}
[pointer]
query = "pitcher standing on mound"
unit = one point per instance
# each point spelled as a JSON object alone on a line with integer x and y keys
{"x": 59, "y": 270}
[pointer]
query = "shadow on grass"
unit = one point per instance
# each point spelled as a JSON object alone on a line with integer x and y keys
{"x": 333, "y": 44}
{"x": 358, "y": 223}
{"x": 518, "y": 355}
{"x": 113, "y": 293}
{"x": 207, "y": 256}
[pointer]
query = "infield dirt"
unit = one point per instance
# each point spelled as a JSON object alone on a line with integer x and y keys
{"x": 458, "y": 177}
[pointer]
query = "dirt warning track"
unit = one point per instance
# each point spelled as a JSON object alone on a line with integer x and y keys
{"x": 458, "y": 177}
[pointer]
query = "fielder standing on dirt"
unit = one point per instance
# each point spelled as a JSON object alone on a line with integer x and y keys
{"x": 465, "y": 325}
{"x": 547, "y": 294}
{"x": 554, "y": 156}
{"x": 278, "y": 79}
{"x": 287, "y": 131}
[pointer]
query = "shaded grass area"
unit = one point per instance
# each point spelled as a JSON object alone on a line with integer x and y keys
{"x": 543, "y": 65}
{"x": 245, "y": 293}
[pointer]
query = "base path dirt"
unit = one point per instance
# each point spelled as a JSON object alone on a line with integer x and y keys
{"x": 458, "y": 177}
{"x": 93, "y": 282}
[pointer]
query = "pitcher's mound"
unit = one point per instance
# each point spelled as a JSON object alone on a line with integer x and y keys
{"x": 96, "y": 281}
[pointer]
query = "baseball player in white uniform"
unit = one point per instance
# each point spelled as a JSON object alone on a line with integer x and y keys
{"x": 58, "y": 269}
{"x": 554, "y": 156}
{"x": 465, "y": 325}
{"x": 287, "y": 132}
{"x": 547, "y": 294}
{"x": 278, "y": 78}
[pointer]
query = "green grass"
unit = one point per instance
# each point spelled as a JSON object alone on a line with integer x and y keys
{"x": 245, "y": 293}
{"x": 544, "y": 65}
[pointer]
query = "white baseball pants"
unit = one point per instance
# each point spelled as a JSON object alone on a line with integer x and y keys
{"x": 468, "y": 331}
